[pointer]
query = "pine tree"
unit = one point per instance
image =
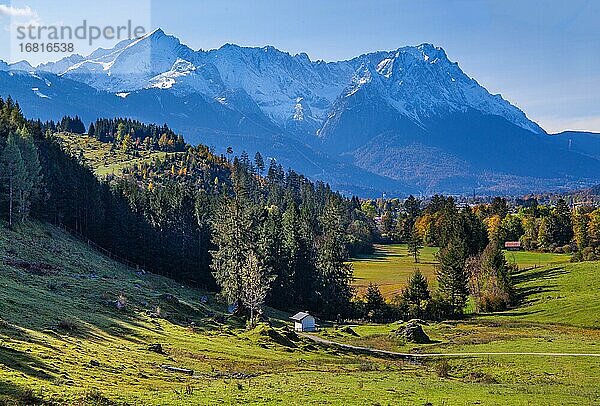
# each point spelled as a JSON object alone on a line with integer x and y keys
{"x": 452, "y": 275}
{"x": 335, "y": 273}
{"x": 259, "y": 162}
{"x": 374, "y": 303}
{"x": 416, "y": 294}
{"x": 273, "y": 255}
{"x": 33, "y": 177}
{"x": 414, "y": 245}
{"x": 92, "y": 130}
{"x": 13, "y": 173}
{"x": 293, "y": 277}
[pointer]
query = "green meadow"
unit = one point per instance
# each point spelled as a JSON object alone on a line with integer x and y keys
{"x": 64, "y": 340}
{"x": 101, "y": 157}
{"x": 390, "y": 266}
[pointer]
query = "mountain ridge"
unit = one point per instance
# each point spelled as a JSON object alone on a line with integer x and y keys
{"x": 329, "y": 119}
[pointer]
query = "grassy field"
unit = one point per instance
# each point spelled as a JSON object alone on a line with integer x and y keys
{"x": 558, "y": 312}
{"x": 63, "y": 340}
{"x": 390, "y": 266}
{"x": 99, "y": 156}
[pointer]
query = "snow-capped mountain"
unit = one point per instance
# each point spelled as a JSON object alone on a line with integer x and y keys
{"x": 131, "y": 64}
{"x": 406, "y": 119}
{"x": 61, "y": 65}
{"x": 415, "y": 81}
{"x": 21, "y": 65}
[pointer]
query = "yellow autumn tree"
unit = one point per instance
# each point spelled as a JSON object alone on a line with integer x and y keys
{"x": 493, "y": 227}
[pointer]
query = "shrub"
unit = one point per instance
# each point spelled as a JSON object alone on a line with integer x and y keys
{"x": 30, "y": 397}
{"x": 96, "y": 398}
{"x": 480, "y": 377}
{"x": 443, "y": 368}
{"x": 588, "y": 254}
{"x": 121, "y": 301}
{"x": 577, "y": 257}
{"x": 490, "y": 280}
{"x": 367, "y": 366}
{"x": 67, "y": 325}
{"x": 438, "y": 308}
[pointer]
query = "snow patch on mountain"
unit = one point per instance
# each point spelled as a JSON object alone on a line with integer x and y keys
{"x": 418, "y": 82}
{"x": 62, "y": 65}
{"x": 22, "y": 66}
{"x": 131, "y": 64}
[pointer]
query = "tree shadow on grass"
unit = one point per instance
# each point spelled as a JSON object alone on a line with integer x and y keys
{"x": 528, "y": 276}
{"x": 26, "y": 364}
{"x": 524, "y": 294}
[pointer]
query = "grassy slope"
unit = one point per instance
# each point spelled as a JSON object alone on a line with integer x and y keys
{"x": 559, "y": 311}
{"x": 390, "y": 266}
{"x": 47, "y": 277}
{"x": 99, "y": 156}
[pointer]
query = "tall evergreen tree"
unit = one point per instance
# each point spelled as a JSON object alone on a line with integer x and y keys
{"x": 414, "y": 245}
{"x": 335, "y": 273}
{"x": 33, "y": 177}
{"x": 374, "y": 303}
{"x": 259, "y": 162}
{"x": 416, "y": 293}
{"x": 233, "y": 235}
{"x": 13, "y": 174}
{"x": 452, "y": 277}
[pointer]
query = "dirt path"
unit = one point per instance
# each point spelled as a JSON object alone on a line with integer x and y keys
{"x": 374, "y": 351}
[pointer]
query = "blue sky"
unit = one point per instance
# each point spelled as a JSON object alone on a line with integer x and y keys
{"x": 543, "y": 56}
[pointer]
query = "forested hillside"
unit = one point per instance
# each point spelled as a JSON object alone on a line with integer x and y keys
{"x": 172, "y": 215}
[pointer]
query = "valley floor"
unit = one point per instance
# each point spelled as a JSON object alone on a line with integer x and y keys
{"x": 64, "y": 340}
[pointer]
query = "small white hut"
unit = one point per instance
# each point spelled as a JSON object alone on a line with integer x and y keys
{"x": 303, "y": 322}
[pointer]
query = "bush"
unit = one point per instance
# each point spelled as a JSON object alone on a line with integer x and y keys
{"x": 30, "y": 397}
{"x": 480, "y": 377}
{"x": 67, "y": 325}
{"x": 566, "y": 249}
{"x": 493, "y": 300}
{"x": 588, "y": 254}
{"x": 439, "y": 309}
{"x": 96, "y": 398}
{"x": 443, "y": 368}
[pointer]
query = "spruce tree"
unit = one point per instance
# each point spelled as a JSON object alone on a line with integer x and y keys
{"x": 414, "y": 245}
{"x": 335, "y": 273}
{"x": 33, "y": 177}
{"x": 92, "y": 130}
{"x": 259, "y": 162}
{"x": 416, "y": 293}
{"x": 374, "y": 303}
{"x": 293, "y": 277}
{"x": 13, "y": 175}
{"x": 453, "y": 282}
{"x": 233, "y": 235}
